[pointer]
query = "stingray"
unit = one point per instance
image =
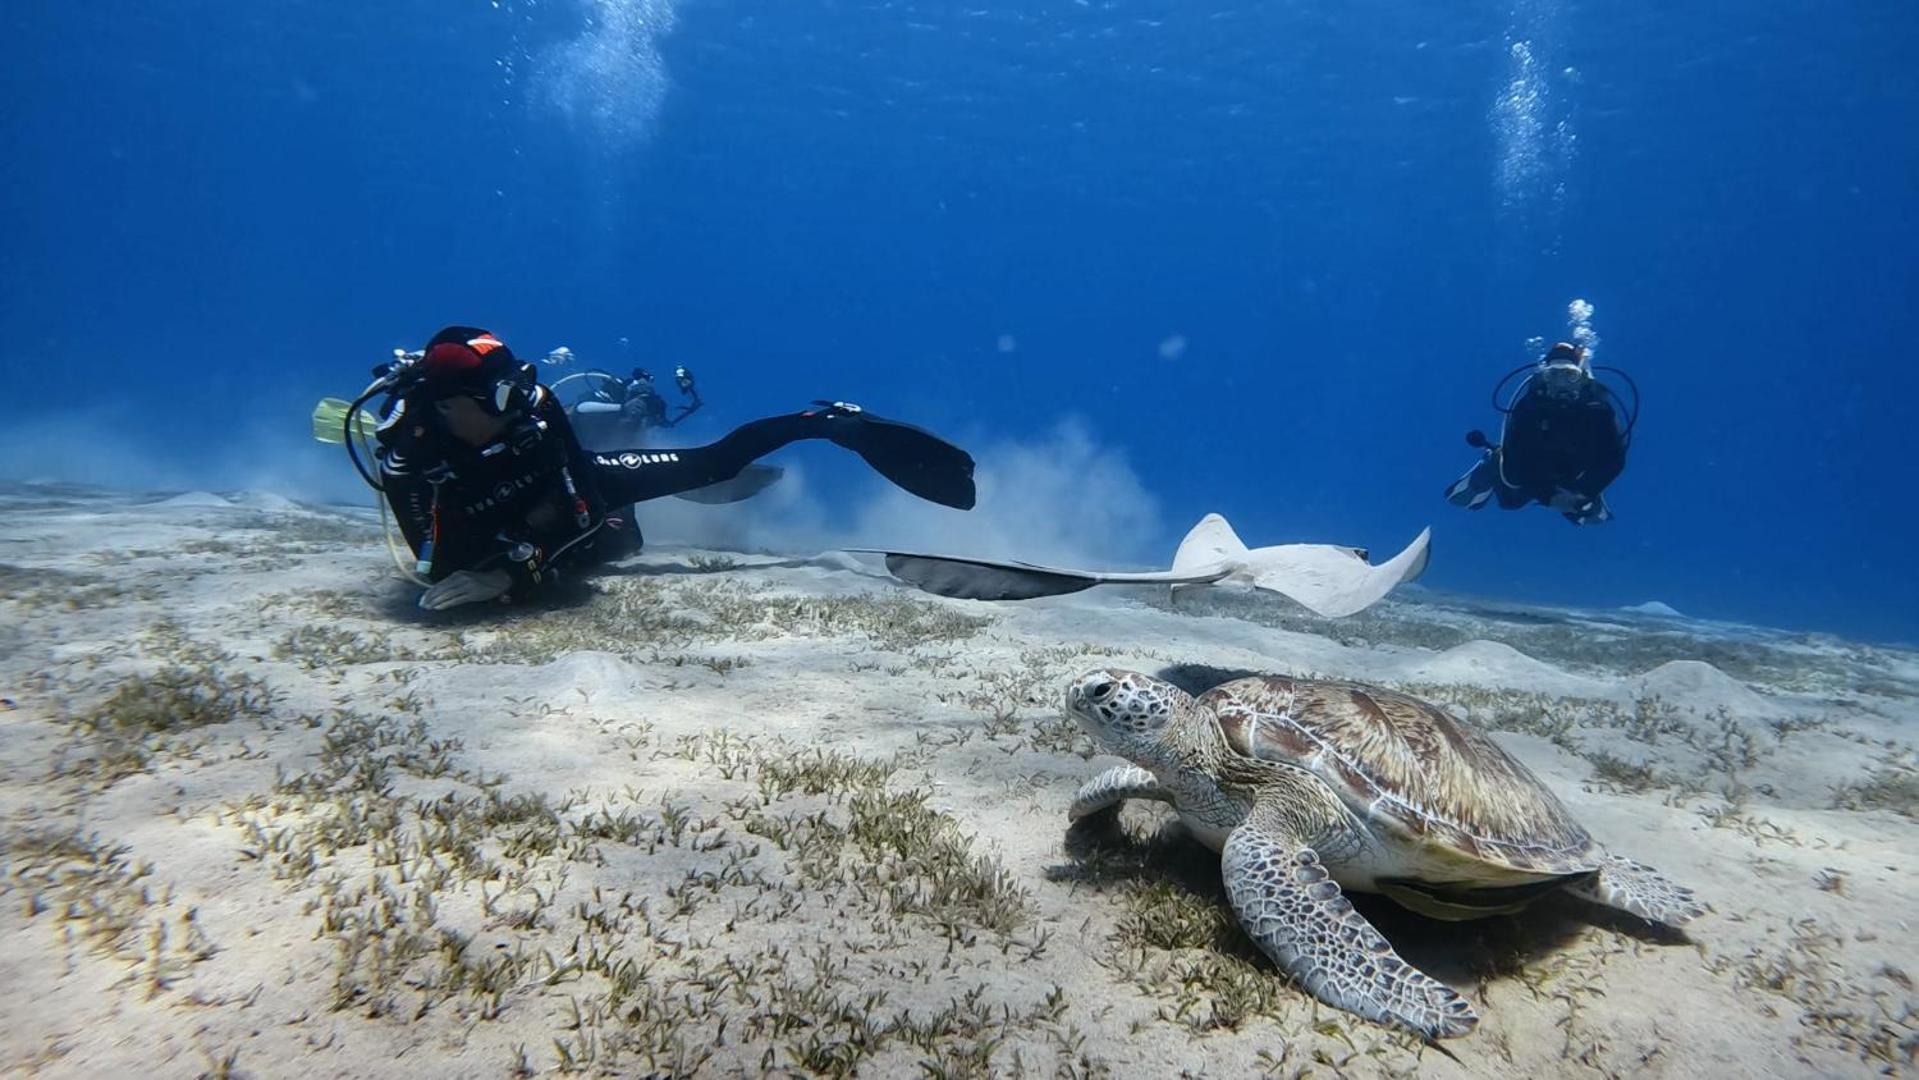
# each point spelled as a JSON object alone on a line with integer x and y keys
{"x": 1327, "y": 579}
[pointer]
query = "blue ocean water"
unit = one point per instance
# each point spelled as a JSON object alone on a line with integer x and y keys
{"x": 1272, "y": 255}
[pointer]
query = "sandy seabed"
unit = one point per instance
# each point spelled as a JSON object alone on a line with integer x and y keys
{"x": 724, "y": 814}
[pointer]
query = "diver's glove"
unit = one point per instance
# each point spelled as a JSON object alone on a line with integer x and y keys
{"x": 466, "y": 587}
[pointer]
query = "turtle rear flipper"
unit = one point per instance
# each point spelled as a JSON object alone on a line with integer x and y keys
{"x": 1293, "y": 908}
{"x": 1639, "y": 889}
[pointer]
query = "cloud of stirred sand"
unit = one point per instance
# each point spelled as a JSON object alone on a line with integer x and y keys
{"x": 1058, "y": 497}
{"x": 117, "y": 447}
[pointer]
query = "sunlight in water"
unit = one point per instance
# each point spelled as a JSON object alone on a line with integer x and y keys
{"x": 1532, "y": 124}
{"x": 610, "y": 80}
{"x": 1518, "y": 121}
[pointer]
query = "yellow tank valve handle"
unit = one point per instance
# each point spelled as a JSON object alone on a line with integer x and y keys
{"x": 329, "y": 421}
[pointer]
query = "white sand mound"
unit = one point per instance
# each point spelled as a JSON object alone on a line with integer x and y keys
{"x": 194, "y": 499}
{"x": 1492, "y": 663}
{"x": 263, "y": 500}
{"x": 1656, "y": 608}
{"x": 1698, "y": 685}
{"x": 575, "y": 679}
{"x": 841, "y": 560}
{"x": 591, "y": 675}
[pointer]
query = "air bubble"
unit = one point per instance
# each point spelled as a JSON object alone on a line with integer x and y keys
{"x": 611, "y": 80}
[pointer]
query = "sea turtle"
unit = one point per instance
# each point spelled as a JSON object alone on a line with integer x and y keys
{"x": 1305, "y": 787}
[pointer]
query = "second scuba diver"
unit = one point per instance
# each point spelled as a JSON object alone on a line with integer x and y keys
{"x": 496, "y": 496}
{"x": 623, "y": 413}
{"x": 1565, "y": 439}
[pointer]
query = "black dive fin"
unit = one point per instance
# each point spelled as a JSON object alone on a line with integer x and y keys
{"x": 750, "y": 482}
{"x": 914, "y": 458}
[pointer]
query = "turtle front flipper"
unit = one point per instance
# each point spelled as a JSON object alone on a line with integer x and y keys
{"x": 1293, "y": 908}
{"x": 1639, "y": 889}
{"x": 1113, "y": 787}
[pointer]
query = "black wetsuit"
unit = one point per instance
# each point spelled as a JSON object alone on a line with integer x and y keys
{"x": 534, "y": 502}
{"x": 637, "y": 410}
{"x": 1560, "y": 450}
{"x": 619, "y": 413}
{"x": 1573, "y": 443}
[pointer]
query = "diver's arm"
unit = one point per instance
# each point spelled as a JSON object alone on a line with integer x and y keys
{"x": 545, "y": 523}
{"x": 466, "y": 587}
{"x": 690, "y": 390}
{"x": 691, "y": 406}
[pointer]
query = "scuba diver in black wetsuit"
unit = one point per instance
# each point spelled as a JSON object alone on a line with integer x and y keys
{"x": 1565, "y": 440}
{"x": 495, "y": 495}
{"x": 616, "y": 413}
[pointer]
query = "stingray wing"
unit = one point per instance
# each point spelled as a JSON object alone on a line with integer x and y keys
{"x": 1210, "y": 543}
{"x": 1331, "y": 581}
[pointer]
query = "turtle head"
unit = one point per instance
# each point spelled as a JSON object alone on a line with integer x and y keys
{"x": 1124, "y": 711}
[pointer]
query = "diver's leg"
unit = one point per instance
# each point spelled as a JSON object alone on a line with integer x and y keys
{"x": 1511, "y": 497}
{"x": 630, "y": 476}
{"x": 916, "y": 460}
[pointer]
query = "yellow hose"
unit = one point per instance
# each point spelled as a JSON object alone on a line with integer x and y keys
{"x": 402, "y": 556}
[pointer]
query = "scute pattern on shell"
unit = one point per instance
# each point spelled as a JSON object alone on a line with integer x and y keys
{"x": 1405, "y": 761}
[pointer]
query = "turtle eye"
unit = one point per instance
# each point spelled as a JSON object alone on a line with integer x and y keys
{"x": 1101, "y": 691}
